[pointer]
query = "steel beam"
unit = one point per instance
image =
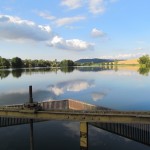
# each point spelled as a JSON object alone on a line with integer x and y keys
{"x": 76, "y": 116}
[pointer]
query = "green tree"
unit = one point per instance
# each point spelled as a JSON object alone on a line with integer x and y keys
{"x": 66, "y": 63}
{"x": 26, "y": 63}
{"x": 16, "y": 62}
{"x": 144, "y": 60}
{"x": 116, "y": 62}
{"x": 55, "y": 63}
{"x": 111, "y": 63}
{"x": 4, "y": 63}
{"x": 35, "y": 63}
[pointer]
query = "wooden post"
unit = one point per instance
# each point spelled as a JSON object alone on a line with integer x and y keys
{"x": 83, "y": 136}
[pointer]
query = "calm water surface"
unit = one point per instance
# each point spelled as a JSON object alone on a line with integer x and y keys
{"x": 121, "y": 89}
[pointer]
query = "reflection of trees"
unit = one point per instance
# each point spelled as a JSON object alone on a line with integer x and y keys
{"x": 17, "y": 73}
{"x": 40, "y": 70}
{"x": 116, "y": 68}
{"x": 67, "y": 69}
{"x": 92, "y": 69}
{"x": 4, "y": 73}
{"x": 144, "y": 70}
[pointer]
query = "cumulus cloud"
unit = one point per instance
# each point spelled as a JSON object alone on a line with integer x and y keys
{"x": 72, "y": 4}
{"x": 73, "y": 44}
{"x": 17, "y": 29}
{"x": 98, "y": 96}
{"x": 97, "y": 33}
{"x": 73, "y": 86}
{"x": 68, "y": 20}
{"x": 14, "y": 28}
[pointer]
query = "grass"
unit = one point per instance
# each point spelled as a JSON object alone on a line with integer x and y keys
{"x": 129, "y": 62}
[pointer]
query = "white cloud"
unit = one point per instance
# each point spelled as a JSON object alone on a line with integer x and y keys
{"x": 96, "y": 6}
{"x": 123, "y": 56}
{"x": 97, "y": 33}
{"x": 17, "y": 29}
{"x": 68, "y": 20}
{"x": 14, "y": 28}
{"x": 46, "y": 15}
{"x": 99, "y": 6}
{"x": 72, "y": 4}
{"x": 73, "y": 44}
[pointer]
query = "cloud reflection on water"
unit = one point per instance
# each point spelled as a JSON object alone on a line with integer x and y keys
{"x": 98, "y": 96}
{"x": 51, "y": 92}
{"x": 71, "y": 86}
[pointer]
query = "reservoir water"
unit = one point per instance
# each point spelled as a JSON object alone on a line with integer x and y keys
{"x": 126, "y": 88}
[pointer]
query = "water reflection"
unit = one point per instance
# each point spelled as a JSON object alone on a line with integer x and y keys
{"x": 127, "y": 90}
{"x": 21, "y": 96}
{"x": 18, "y": 72}
{"x": 29, "y": 71}
{"x": 144, "y": 71}
{"x": 4, "y": 73}
{"x": 98, "y": 96}
{"x": 51, "y": 91}
{"x": 72, "y": 86}
{"x": 67, "y": 69}
{"x": 58, "y": 135}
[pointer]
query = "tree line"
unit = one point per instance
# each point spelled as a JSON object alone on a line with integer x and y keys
{"x": 144, "y": 61}
{"x": 17, "y": 62}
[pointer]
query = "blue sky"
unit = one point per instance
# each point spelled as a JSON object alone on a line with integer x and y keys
{"x": 74, "y": 29}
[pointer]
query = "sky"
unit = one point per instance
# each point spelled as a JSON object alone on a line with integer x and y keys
{"x": 74, "y": 29}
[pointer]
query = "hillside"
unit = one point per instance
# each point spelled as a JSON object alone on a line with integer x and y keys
{"x": 129, "y": 62}
{"x": 94, "y": 60}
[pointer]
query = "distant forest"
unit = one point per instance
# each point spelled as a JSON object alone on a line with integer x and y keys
{"x": 17, "y": 62}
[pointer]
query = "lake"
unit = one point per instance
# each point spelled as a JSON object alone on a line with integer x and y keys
{"x": 125, "y": 88}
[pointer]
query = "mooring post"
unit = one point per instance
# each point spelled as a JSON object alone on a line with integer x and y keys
{"x": 83, "y": 136}
{"x": 30, "y": 94}
{"x": 31, "y": 121}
